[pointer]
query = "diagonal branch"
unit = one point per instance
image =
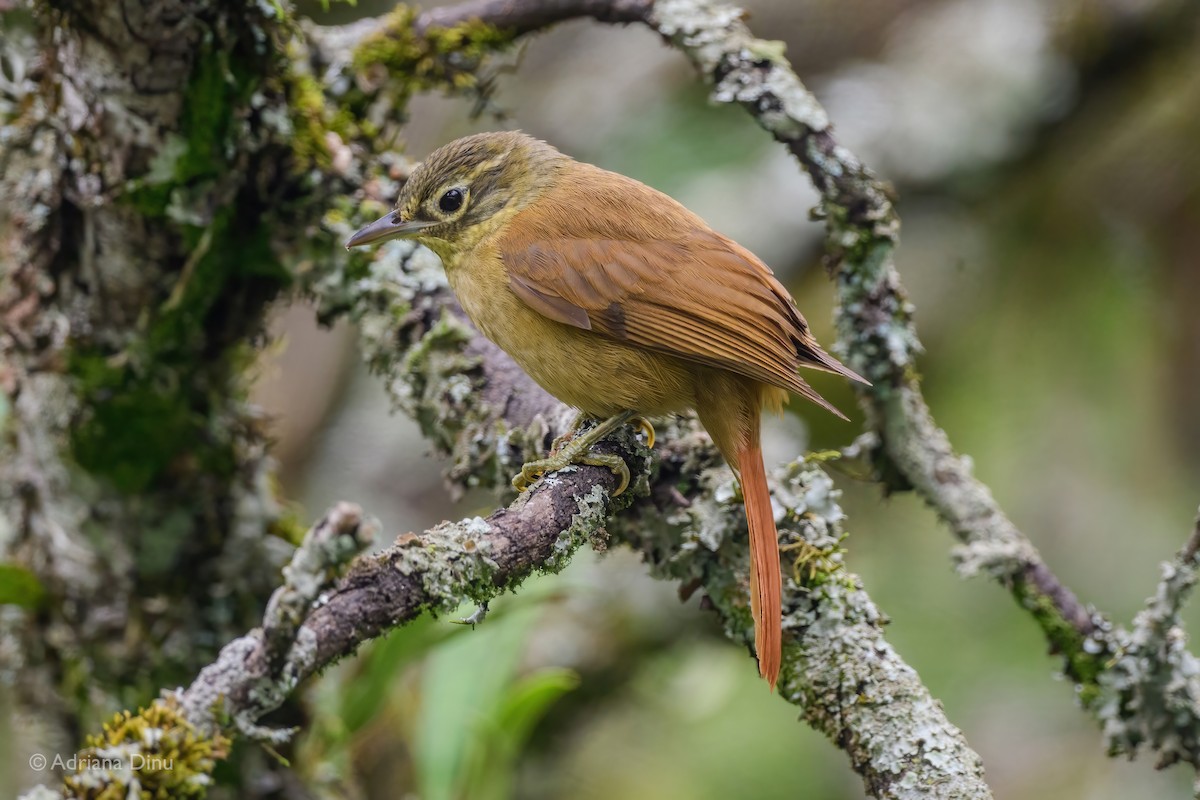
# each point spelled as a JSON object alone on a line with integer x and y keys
{"x": 475, "y": 559}
{"x": 525, "y": 17}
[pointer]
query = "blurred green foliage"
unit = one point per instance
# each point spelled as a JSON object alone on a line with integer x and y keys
{"x": 20, "y": 587}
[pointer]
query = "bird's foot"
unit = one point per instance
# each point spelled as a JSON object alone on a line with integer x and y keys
{"x": 534, "y": 470}
{"x": 574, "y": 448}
{"x": 643, "y": 426}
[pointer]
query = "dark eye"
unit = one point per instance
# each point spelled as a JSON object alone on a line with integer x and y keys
{"x": 451, "y": 201}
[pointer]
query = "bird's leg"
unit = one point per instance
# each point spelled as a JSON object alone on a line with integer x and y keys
{"x": 572, "y": 431}
{"x": 642, "y": 424}
{"x": 577, "y": 451}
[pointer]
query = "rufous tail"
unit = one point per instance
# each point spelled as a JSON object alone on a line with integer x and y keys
{"x": 765, "y": 579}
{"x": 730, "y": 406}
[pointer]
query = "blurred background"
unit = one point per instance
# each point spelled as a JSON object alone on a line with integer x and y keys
{"x": 1046, "y": 159}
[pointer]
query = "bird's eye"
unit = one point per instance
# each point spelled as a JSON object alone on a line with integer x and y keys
{"x": 451, "y": 201}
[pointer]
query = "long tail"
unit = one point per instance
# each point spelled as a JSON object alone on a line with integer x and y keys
{"x": 765, "y": 579}
{"x": 730, "y": 407}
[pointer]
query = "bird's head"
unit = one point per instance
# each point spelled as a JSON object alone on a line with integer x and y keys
{"x": 457, "y": 195}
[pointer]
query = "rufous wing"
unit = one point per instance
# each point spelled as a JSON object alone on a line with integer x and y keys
{"x": 661, "y": 281}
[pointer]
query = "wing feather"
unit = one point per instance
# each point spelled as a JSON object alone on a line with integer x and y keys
{"x": 661, "y": 279}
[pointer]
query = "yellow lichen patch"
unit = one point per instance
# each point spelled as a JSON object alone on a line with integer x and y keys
{"x": 438, "y": 58}
{"x": 155, "y": 754}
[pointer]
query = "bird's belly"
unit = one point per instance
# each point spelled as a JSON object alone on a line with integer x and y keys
{"x": 598, "y": 375}
{"x": 602, "y": 377}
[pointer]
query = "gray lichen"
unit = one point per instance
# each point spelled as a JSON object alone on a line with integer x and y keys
{"x": 740, "y": 66}
{"x": 127, "y": 446}
{"x": 340, "y": 535}
{"x": 1149, "y": 691}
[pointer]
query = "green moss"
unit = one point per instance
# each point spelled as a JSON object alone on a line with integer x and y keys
{"x": 133, "y": 430}
{"x": 310, "y": 121}
{"x": 1081, "y": 667}
{"x": 208, "y": 103}
{"x": 289, "y": 525}
{"x": 219, "y": 88}
{"x": 20, "y": 587}
{"x": 149, "y": 407}
{"x": 396, "y": 60}
{"x": 149, "y": 200}
{"x": 441, "y": 58}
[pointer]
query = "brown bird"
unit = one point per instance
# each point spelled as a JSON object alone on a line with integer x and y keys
{"x": 619, "y": 302}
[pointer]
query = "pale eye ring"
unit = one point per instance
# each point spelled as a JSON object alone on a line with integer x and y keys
{"x": 451, "y": 201}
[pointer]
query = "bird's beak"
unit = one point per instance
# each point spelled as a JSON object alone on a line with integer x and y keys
{"x": 386, "y": 227}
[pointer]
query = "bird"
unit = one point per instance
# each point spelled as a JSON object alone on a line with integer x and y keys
{"x": 623, "y": 304}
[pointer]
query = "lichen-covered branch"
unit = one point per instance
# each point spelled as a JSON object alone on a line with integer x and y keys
{"x": 332, "y": 542}
{"x": 170, "y": 748}
{"x": 471, "y": 401}
{"x": 1150, "y": 688}
{"x": 475, "y": 559}
{"x": 164, "y": 167}
{"x": 837, "y": 667}
{"x": 879, "y": 339}
{"x": 525, "y": 17}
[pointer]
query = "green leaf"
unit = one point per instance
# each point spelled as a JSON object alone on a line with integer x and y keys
{"x": 464, "y": 683}
{"x": 366, "y": 694}
{"x": 20, "y": 587}
{"x": 530, "y": 698}
{"x": 503, "y": 737}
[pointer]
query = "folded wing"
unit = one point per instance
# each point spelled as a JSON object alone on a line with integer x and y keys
{"x": 664, "y": 281}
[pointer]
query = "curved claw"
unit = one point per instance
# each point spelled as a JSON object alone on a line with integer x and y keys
{"x": 614, "y": 463}
{"x": 647, "y": 429}
{"x": 576, "y": 451}
{"x": 528, "y": 475}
